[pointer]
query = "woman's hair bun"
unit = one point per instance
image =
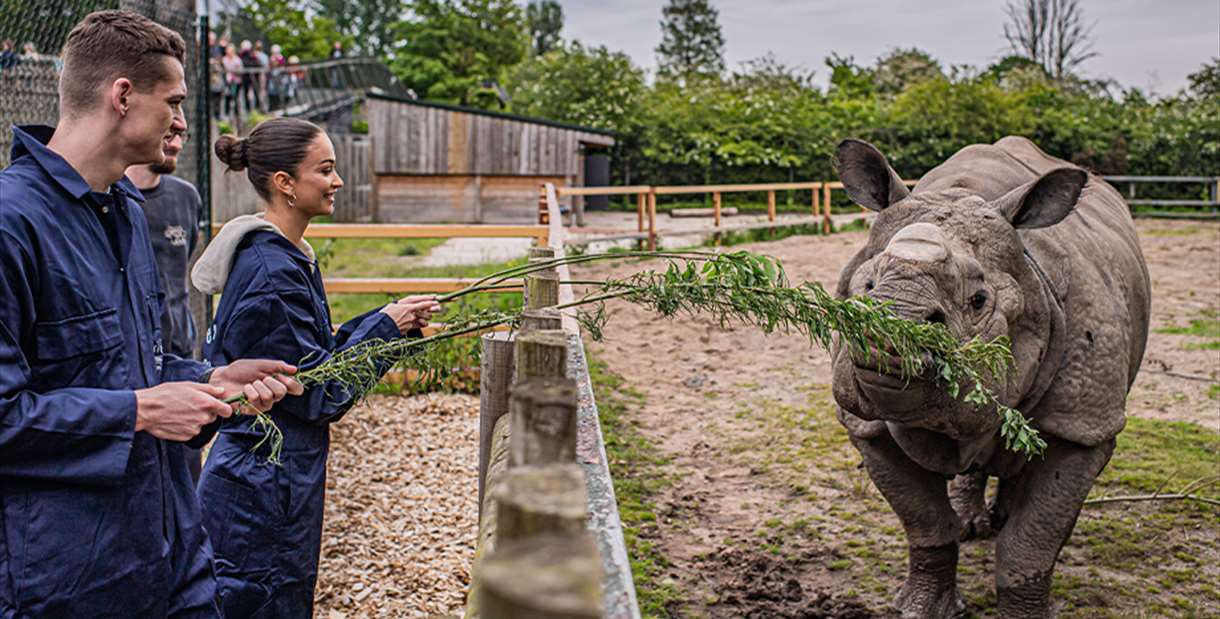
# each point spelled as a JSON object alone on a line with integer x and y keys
{"x": 231, "y": 150}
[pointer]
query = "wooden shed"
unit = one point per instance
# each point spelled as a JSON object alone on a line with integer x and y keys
{"x": 441, "y": 163}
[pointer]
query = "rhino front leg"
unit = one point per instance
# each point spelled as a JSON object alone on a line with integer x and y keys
{"x": 1045, "y": 502}
{"x": 921, "y": 501}
{"x": 967, "y": 496}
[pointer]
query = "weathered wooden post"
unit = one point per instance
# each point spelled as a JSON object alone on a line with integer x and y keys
{"x": 542, "y": 287}
{"x": 716, "y": 207}
{"x": 543, "y": 420}
{"x": 542, "y": 498}
{"x": 826, "y": 208}
{"x": 540, "y": 253}
{"x": 652, "y": 219}
{"x": 496, "y": 372}
{"x": 544, "y": 215}
{"x": 541, "y": 319}
{"x": 813, "y": 200}
{"x": 556, "y": 576}
{"x": 540, "y": 354}
{"x": 640, "y": 206}
{"x": 771, "y": 206}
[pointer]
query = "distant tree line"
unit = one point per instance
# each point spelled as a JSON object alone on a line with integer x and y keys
{"x": 695, "y": 121}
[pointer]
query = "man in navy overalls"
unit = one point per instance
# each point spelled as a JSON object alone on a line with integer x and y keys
{"x": 98, "y": 517}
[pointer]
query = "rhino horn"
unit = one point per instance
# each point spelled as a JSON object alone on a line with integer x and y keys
{"x": 919, "y": 242}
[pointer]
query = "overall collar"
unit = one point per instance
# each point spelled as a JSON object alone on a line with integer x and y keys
{"x": 32, "y": 140}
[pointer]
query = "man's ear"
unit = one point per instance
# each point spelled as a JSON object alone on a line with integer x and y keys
{"x": 1043, "y": 202}
{"x": 867, "y": 176}
{"x": 120, "y": 94}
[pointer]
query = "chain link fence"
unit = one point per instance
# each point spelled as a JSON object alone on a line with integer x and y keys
{"x": 32, "y": 34}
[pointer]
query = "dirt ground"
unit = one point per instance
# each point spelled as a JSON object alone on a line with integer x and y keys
{"x": 767, "y": 513}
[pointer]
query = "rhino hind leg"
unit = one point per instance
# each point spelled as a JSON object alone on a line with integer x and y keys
{"x": 1044, "y": 503}
{"x": 967, "y": 495}
{"x": 921, "y": 501}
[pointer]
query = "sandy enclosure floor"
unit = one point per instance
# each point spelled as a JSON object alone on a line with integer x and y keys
{"x": 758, "y": 461}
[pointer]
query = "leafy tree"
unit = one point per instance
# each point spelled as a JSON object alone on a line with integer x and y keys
{"x": 1206, "y": 81}
{"x": 904, "y": 67}
{"x": 545, "y": 18}
{"x": 288, "y": 25}
{"x": 691, "y": 41}
{"x": 368, "y": 24}
{"x": 847, "y": 79}
{"x": 590, "y": 86}
{"x": 458, "y": 50}
{"x": 1051, "y": 33}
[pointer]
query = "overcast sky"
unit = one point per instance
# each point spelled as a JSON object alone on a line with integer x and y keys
{"x": 1151, "y": 44}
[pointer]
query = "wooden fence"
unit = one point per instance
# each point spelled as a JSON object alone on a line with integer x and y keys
{"x": 549, "y": 539}
{"x": 1212, "y": 183}
{"x": 646, "y": 200}
{"x": 408, "y": 285}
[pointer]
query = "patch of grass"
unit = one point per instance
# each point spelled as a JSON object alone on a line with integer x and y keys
{"x": 1213, "y": 391}
{"x": 1184, "y": 231}
{"x": 636, "y": 467}
{"x": 1143, "y": 548}
{"x": 370, "y": 257}
{"x": 1150, "y": 451}
{"x": 1207, "y": 328}
{"x": 756, "y": 235}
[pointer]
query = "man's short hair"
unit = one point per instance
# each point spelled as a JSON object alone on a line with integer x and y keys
{"x": 107, "y": 45}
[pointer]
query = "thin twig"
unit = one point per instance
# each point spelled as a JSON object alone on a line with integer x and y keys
{"x": 1198, "y": 377}
{"x": 1153, "y": 497}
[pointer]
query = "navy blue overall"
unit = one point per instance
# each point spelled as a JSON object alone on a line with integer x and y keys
{"x": 96, "y": 520}
{"x": 265, "y": 521}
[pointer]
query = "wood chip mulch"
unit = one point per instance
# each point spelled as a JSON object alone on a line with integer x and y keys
{"x": 401, "y": 508}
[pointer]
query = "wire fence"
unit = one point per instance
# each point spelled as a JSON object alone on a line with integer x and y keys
{"x": 32, "y": 34}
{"x": 308, "y": 90}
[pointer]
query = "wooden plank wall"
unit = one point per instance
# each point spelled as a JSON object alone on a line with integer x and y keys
{"x": 437, "y": 198}
{"x": 418, "y": 139}
{"x": 357, "y": 201}
{"x": 233, "y": 195}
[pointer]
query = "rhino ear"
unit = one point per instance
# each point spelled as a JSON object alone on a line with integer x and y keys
{"x": 1044, "y": 202}
{"x": 867, "y": 176}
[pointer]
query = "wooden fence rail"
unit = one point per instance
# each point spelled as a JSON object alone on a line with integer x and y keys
{"x": 646, "y": 202}
{"x": 821, "y": 197}
{"x": 413, "y": 285}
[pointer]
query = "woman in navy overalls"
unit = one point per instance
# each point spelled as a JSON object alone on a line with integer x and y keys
{"x": 265, "y": 521}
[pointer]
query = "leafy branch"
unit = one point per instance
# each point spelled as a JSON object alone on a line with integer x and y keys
{"x": 737, "y": 287}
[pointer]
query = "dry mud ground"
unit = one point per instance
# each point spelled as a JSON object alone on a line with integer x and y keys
{"x": 756, "y": 506}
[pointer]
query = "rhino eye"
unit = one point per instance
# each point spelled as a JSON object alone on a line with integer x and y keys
{"x": 978, "y": 300}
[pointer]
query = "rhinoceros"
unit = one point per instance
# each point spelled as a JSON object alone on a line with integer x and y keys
{"x": 999, "y": 240}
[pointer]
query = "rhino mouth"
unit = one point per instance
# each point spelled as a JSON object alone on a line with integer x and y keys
{"x": 880, "y": 380}
{"x": 886, "y": 369}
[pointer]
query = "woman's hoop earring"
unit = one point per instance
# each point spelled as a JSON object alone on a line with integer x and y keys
{"x": 292, "y": 200}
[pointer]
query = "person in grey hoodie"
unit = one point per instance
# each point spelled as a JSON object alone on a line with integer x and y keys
{"x": 265, "y": 521}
